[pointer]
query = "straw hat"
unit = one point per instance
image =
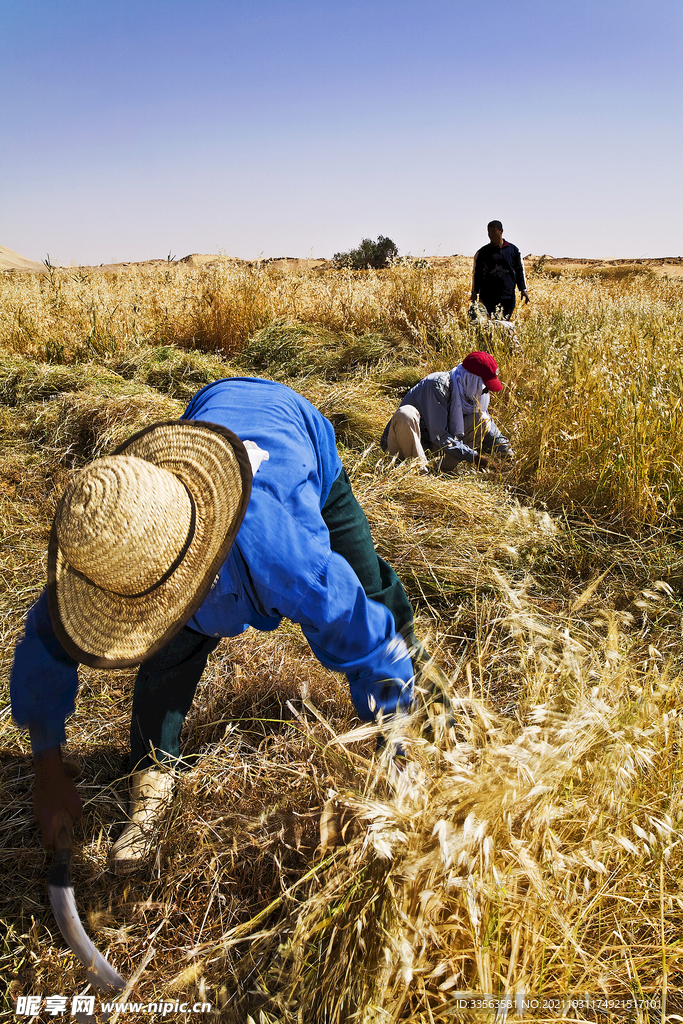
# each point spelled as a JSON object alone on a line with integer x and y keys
{"x": 138, "y": 538}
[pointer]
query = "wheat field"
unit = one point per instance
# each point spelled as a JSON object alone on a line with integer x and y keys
{"x": 526, "y": 863}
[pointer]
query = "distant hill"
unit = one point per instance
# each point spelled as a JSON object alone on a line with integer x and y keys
{"x": 10, "y": 260}
{"x": 669, "y": 266}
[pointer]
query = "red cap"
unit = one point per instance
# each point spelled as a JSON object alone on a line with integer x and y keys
{"x": 486, "y": 367}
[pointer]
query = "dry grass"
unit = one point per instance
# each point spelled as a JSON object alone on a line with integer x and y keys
{"x": 593, "y": 396}
{"x": 540, "y": 858}
{"x": 536, "y": 846}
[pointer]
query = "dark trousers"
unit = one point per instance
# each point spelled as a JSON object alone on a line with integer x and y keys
{"x": 505, "y": 304}
{"x": 166, "y": 683}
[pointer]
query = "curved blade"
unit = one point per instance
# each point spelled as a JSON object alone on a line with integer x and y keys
{"x": 99, "y": 971}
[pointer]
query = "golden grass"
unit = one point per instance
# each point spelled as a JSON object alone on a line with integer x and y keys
{"x": 536, "y": 846}
{"x": 592, "y": 397}
{"x": 520, "y": 858}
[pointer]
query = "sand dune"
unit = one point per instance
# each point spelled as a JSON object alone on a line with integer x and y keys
{"x": 10, "y": 260}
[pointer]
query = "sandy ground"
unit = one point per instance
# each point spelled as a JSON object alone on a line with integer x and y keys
{"x": 10, "y": 260}
{"x": 663, "y": 266}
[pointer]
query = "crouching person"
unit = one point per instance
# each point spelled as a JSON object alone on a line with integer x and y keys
{"x": 239, "y": 514}
{"x": 447, "y": 414}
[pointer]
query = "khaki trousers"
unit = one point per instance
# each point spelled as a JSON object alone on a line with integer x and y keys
{"x": 403, "y": 438}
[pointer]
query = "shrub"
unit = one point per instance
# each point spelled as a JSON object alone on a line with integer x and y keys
{"x": 368, "y": 255}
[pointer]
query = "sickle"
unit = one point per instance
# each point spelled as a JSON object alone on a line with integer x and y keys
{"x": 100, "y": 972}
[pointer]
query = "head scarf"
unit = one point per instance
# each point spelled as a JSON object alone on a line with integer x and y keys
{"x": 467, "y": 398}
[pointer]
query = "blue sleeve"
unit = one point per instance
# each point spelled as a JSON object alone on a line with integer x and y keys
{"x": 293, "y": 574}
{"x": 434, "y": 411}
{"x": 43, "y": 681}
{"x": 520, "y": 276}
{"x": 350, "y": 633}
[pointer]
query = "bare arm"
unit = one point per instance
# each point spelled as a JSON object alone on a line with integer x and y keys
{"x": 54, "y": 793}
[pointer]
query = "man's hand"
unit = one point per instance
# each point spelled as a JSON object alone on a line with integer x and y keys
{"x": 525, "y": 296}
{"x": 54, "y": 794}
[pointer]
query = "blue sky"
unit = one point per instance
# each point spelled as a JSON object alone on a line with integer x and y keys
{"x": 137, "y": 128}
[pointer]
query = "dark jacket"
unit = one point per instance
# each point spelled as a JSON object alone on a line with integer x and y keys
{"x": 497, "y": 271}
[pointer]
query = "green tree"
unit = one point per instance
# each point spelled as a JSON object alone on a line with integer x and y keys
{"x": 368, "y": 255}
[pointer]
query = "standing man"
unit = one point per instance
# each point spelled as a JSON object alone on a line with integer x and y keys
{"x": 497, "y": 269}
{"x": 239, "y": 514}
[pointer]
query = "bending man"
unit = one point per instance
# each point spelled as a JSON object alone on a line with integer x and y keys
{"x": 447, "y": 414}
{"x": 239, "y": 514}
